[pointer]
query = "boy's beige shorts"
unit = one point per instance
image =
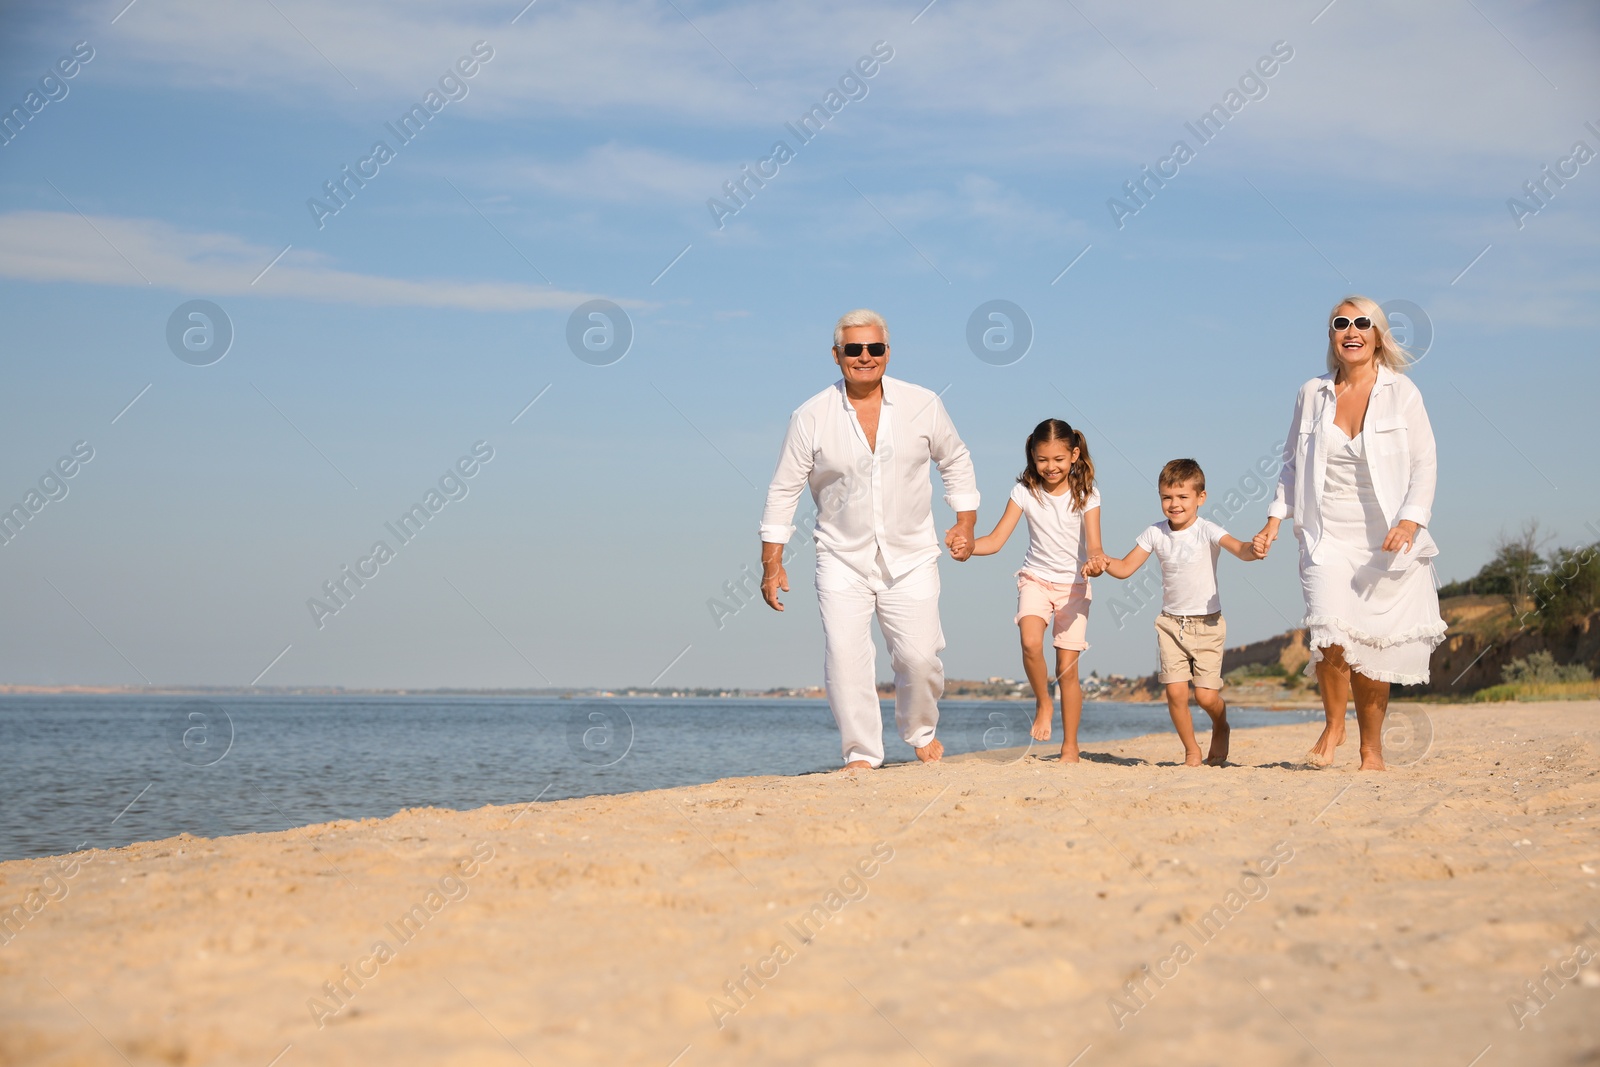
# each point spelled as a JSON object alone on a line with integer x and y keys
{"x": 1190, "y": 647}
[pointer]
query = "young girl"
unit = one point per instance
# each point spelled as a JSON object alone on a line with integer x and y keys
{"x": 1056, "y": 492}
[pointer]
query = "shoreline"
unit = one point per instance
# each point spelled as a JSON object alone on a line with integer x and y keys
{"x": 968, "y": 912}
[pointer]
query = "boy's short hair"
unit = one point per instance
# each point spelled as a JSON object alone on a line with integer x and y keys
{"x": 1178, "y": 471}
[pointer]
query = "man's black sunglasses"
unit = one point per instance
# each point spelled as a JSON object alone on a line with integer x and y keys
{"x": 852, "y": 350}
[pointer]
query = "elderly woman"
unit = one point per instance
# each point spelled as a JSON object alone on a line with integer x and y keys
{"x": 1358, "y": 479}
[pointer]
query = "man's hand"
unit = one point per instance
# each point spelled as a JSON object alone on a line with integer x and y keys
{"x": 1401, "y": 537}
{"x": 1263, "y": 540}
{"x": 773, "y": 576}
{"x": 960, "y": 537}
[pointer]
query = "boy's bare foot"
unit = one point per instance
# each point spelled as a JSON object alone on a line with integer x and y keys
{"x": 1217, "y": 754}
{"x": 1041, "y": 721}
{"x": 930, "y": 752}
{"x": 858, "y": 765}
{"x": 1069, "y": 753}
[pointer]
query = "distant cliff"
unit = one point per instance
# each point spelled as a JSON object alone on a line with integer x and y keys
{"x": 1484, "y": 636}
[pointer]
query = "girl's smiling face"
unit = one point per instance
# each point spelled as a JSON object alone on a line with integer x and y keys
{"x": 1051, "y": 461}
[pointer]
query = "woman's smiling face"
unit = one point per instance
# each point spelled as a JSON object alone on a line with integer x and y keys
{"x": 1353, "y": 345}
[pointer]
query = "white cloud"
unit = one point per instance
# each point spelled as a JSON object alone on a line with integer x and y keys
{"x": 58, "y": 246}
{"x": 1403, "y": 97}
{"x": 613, "y": 172}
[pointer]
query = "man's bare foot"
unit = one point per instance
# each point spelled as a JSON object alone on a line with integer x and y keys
{"x": 858, "y": 765}
{"x": 1069, "y": 753}
{"x": 1372, "y": 761}
{"x": 930, "y": 752}
{"x": 1041, "y": 721}
{"x": 1217, "y": 754}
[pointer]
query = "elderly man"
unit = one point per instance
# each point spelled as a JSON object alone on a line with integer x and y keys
{"x": 863, "y": 446}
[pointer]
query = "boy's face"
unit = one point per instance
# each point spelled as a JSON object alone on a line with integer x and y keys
{"x": 1181, "y": 503}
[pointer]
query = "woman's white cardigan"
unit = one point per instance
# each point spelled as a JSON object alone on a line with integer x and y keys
{"x": 1400, "y": 455}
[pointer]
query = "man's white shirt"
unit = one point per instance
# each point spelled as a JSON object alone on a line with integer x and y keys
{"x": 870, "y": 501}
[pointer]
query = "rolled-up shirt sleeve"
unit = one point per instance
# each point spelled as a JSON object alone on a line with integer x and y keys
{"x": 788, "y": 482}
{"x": 1418, "y": 504}
{"x": 1282, "y": 506}
{"x": 947, "y": 449}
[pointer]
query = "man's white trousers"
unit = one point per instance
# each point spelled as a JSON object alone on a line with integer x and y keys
{"x": 907, "y": 610}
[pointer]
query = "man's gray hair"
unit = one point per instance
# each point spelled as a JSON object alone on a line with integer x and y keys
{"x": 859, "y": 317}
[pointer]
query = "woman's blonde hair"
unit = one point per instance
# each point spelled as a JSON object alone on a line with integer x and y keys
{"x": 1388, "y": 352}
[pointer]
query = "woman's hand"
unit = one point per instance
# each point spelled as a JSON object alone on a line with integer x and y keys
{"x": 1263, "y": 540}
{"x": 1401, "y": 537}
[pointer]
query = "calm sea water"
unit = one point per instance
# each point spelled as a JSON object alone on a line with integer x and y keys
{"x": 104, "y": 771}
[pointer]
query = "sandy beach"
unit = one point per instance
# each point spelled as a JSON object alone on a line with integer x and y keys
{"x": 996, "y": 909}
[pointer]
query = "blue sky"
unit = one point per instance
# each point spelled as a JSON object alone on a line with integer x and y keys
{"x": 576, "y": 163}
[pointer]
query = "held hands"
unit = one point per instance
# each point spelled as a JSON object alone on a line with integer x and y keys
{"x": 1262, "y": 541}
{"x": 1401, "y": 537}
{"x": 1095, "y": 567}
{"x": 959, "y": 539}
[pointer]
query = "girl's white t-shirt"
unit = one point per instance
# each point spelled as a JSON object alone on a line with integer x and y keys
{"x": 1056, "y": 552}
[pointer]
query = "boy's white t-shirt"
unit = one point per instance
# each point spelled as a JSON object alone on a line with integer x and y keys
{"x": 1188, "y": 565}
{"x": 1056, "y": 552}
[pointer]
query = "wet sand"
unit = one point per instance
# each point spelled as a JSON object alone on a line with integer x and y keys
{"x": 990, "y": 910}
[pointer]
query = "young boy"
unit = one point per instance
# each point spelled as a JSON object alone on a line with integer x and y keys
{"x": 1189, "y": 630}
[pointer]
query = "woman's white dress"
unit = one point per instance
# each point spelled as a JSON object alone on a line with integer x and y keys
{"x": 1388, "y": 623}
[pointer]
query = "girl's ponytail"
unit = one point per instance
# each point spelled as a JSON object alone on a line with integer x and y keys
{"x": 1081, "y": 477}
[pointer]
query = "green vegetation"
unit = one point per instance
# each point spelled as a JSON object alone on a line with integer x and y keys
{"x": 1252, "y": 671}
{"x": 1547, "y": 592}
{"x": 1540, "y": 677}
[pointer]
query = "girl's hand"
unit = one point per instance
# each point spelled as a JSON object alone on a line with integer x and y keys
{"x": 1401, "y": 537}
{"x": 1095, "y": 567}
{"x": 960, "y": 537}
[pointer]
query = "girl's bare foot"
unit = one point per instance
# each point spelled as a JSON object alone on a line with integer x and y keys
{"x": 930, "y": 752}
{"x": 1069, "y": 753}
{"x": 1217, "y": 755}
{"x": 1041, "y": 721}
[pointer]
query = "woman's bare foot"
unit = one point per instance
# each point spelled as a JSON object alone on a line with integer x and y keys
{"x": 1322, "y": 753}
{"x": 930, "y": 752}
{"x": 1041, "y": 721}
{"x": 1069, "y": 753}
{"x": 1217, "y": 754}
